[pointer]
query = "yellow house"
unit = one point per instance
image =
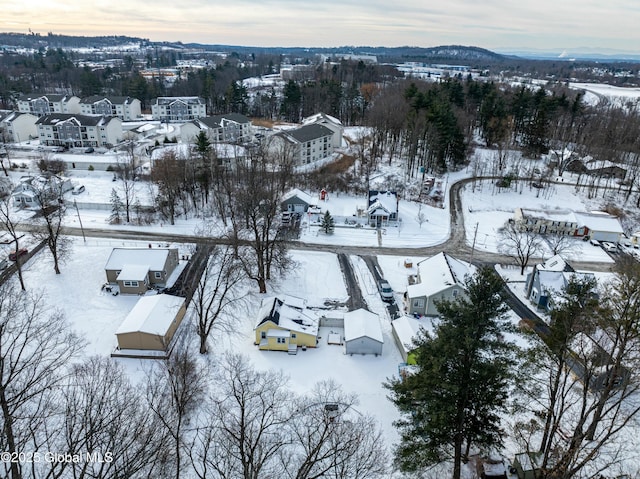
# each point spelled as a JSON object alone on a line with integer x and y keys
{"x": 286, "y": 324}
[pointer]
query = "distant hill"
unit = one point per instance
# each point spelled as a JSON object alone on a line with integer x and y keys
{"x": 37, "y": 41}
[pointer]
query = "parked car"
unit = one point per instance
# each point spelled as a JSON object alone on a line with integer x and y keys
{"x": 14, "y": 255}
{"x": 77, "y": 190}
{"x": 89, "y": 150}
{"x": 594, "y": 242}
{"x": 609, "y": 247}
{"x": 386, "y": 292}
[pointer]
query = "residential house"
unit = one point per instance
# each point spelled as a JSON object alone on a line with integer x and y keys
{"x": 62, "y": 129}
{"x": 40, "y": 105}
{"x": 382, "y": 208}
{"x": 135, "y": 270}
{"x": 601, "y": 226}
{"x": 559, "y": 222}
{"x": 31, "y": 191}
{"x": 404, "y": 331}
{"x": 330, "y": 122}
{"x": 362, "y": 333}
{"x": 16, "y": 127}
{"x": 228, "y": 128}
{"x": 151, "y": 324}
{"x": 439, "y": 277}
{"x": 123, "y": 107}
{"x": 297, "y": 201}
{"x": 178, "y": 108}
{"x": 547, "y": 280}
{"x": 284, "y": 324}
{"x": 305, "y": 145}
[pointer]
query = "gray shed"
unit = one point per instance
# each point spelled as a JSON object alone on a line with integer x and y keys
{"x": 296, "y": 201}
{"x": 362, "y": 333}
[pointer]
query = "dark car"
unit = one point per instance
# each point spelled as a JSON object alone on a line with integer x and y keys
{"x": 14, "y": 255}
{"x": 89, "y": 150}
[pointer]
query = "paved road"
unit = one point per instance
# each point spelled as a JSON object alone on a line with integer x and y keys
{"x": 376, "y": 272}
{"x": 356, "y": 300}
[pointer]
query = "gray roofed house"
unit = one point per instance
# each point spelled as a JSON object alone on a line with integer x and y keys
{"x": 43, "y": 104}
{"x": 227, "y": 128}
{"x": 182, "y": 108}
{"x": 74, "y": 130}
{"x": 330, "y": 122}
{"x": 123, "y": 107}
{"x": 308, "y": 144}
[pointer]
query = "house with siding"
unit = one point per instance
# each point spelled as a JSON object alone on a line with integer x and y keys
{"x": 178, "y": 108}
{"x": 362, "y": 333}
{"x": 16, "y": 127}
{"x": 123, "y": 107}
{"x": 284, "y": 324}
{"x": 382, "y": 208}
{"x": 135, "y": 270}
{"x": 72, "y": 131}
{"x": 227, "y": 128}
{"x": 151, "y": 324}
{"x": 439, "y": 277}
{"x": 559, "y": 222}
{"x": 330, "y": 122}
{"x": 45, "y": 104}
{"x": 305, "y": 145}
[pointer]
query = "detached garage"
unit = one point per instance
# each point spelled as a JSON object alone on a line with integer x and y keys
{"x": 151, "y": 324}
{"x": 362, "y": 333}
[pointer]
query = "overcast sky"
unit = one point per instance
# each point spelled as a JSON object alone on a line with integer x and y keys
{"x": 493, "y": 24}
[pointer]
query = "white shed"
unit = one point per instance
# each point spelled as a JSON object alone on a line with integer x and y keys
{"x": 362, "y": 333}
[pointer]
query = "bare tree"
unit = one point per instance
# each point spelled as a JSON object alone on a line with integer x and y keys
{"x": 245, "y": 430}
{"x": 128, "y": 175}
{"x": 37, "y": 346}
{"x": 520, "y": 243}
{"x": 49, "y": 221}
{"x": 8, "y": 224}
{"x": 330, "y": 438}
{"x": 174, "y": 391}
{"x": 217, "y": 289}
{"x": 105, "y": 422}
{"x": 168, "y": 174}
{"x": 560, "y": 243}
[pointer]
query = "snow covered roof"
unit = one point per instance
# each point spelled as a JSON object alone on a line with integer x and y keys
{"x": 438, "y": 273}
{"x": 291, "y": 315}
{"x": 600, "y": 221}
{"x": 555, "y": 263}
{"x": 133, "y": 272}
{"x": 155, "y": 258}
{"x": 307, "y": 198}
{"x": 152, "y": 315}
{"x": 362, "y": 323}
{"x": 406, "y": 329}
{"x": 387, "y": 201}
{"x": 318, "y": 117}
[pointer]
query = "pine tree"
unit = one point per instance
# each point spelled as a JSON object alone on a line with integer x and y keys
{"x": 117, "y": 208}
{"x": 454, "y": 399}
{"x": 327, "y": 224}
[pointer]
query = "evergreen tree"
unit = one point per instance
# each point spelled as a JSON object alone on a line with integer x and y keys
{"x": 327, "y": 224}
{"x": 117, "y": 208}
{"x": 454, "y": 399}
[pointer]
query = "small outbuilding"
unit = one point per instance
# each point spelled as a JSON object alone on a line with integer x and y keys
{"x": 151, "y": 324}
{"x": 297, "y": 201}
{"x": 362, "y": 333}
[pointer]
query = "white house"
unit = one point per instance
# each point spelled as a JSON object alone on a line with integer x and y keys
{"x": 174, "y": 108}
{"x": 439, "y": 277}
{"x": 123, "y": 107}
{"x": 382, "y": 208}
{"x": 40, "y": 105}
{"x": 601, "y": 226}
{"x": 330, "y": 122}
{"x": 362, "y": 333}
{"x": 16, "y": 127}
{"x": 63, "y": 129}
{"x": 31, "y": 190}
{"x": 306, "y": 145}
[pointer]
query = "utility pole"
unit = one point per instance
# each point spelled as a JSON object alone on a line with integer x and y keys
{"x": 79, "y": 220}
{"x": 473, "y": 245}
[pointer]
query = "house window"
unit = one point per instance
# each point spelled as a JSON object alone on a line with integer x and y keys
{"x": 263, "y": 335}
{"x": 454, "y": 293}
{"x": 293, "y": 335}
{"x": 282, "y": 340}
{"x": 158, "y": 275}
{"x": 130, "y": 284}
{"x": 418, "y": 303}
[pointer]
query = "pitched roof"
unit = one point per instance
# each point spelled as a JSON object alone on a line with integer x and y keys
{"x": 387, "y": 201}
{"x": 290, "y": 314}
{"x": 319, "y": 117}
{"x": 308, "y": 133}
{"x": 116, "y": 100}
{"x": 307, "y": 198}
{"x": 154, "y": 258}
{"x": 600, "y": 222}
{"x": 555, "y": 263}
{"x": 362, "y": 323}
{"x": 152, "y": 315}
{"x": 87, "y": 120}
{"x": 438, "y": 273}
{"x": 49, "y": 97}
{"x": 133, "y": 272}
{"x": 167, "y": 100}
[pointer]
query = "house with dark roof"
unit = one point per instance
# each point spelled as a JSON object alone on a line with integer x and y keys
{"x": 439, "y": 277}
{"x": 68, "y": 130}
{"x": 547, "y": 280}
{"x": 330, "y": 122}
{"x": 227, "y": 128}
{"x": 16, "y": 127}
{"x": 284, "y": 324}
{"x": 178, "y": 108}
{"x": 306, "y": 144}
{"x": 123, "y": 107}
{"x": 44, "y": 104}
